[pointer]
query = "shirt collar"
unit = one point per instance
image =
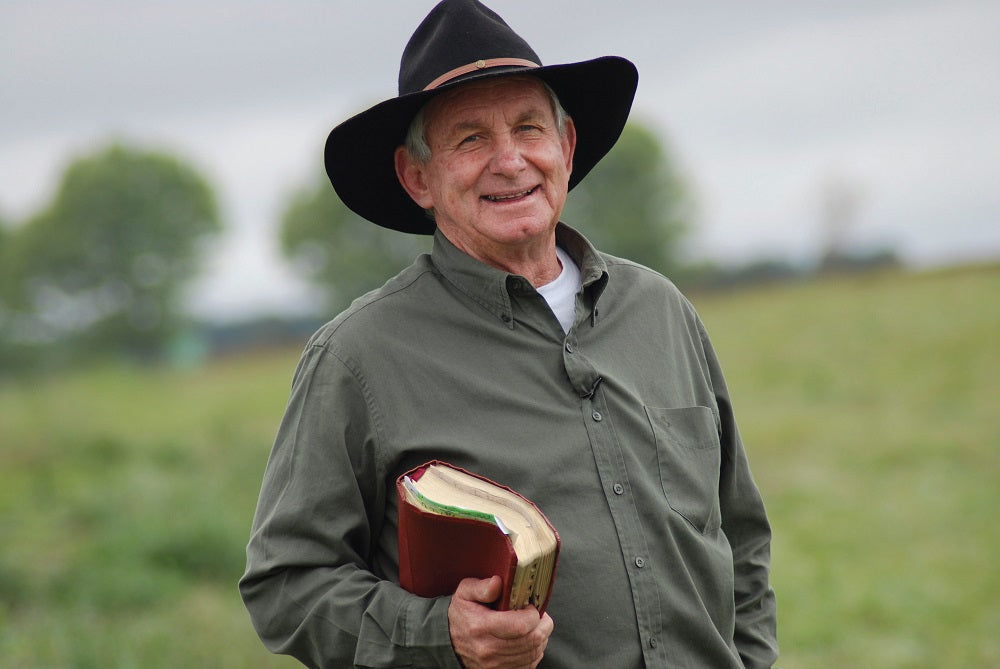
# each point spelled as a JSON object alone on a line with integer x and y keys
{"x": 491, "y": 288}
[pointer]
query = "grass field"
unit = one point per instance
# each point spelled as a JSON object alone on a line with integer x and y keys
{"x": 870, "y": 407}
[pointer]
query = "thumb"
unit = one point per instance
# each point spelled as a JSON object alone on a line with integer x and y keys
{"x": 484, "y": 591}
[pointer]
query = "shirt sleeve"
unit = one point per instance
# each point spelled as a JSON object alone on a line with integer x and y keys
{"x": 745, "y": 524}
{"x": 309, "y": 586}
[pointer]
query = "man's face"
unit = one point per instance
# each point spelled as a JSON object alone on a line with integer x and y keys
{"x": 499, "y": 169}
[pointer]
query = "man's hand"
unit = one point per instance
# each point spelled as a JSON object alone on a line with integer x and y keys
{"x": 488, "y": 639}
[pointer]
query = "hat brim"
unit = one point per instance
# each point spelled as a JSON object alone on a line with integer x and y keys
{"x": 597, "y": 94}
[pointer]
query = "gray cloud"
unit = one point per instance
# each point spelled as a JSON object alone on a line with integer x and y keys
{"x": 763, "y": 103}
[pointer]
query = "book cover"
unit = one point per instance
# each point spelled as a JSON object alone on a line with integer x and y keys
{"x": 442, "y": 543}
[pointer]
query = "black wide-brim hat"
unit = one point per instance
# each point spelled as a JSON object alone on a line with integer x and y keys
{"x": 462, "y": 41}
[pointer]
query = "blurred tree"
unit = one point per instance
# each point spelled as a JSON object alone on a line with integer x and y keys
{"x": 337, "y": 250}
{"x": 102, "y": 265}
{"x": 7, "y": 293}
{"x": 7, "y": 290}
{"x": 635, "y": 203}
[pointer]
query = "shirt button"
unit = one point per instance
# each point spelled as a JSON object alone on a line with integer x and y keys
{"x": 597, "y": 416}
{"x": 569, "y": 347}
{"x": 640, "y": 562}
{"x": 652, "y": 643}
{"x": 619, "y": 489}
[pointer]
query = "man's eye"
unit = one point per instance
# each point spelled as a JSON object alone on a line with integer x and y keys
{"x": 470, "y": 139}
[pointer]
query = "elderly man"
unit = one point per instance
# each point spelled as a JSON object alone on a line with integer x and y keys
{"x": 519, "y": 352}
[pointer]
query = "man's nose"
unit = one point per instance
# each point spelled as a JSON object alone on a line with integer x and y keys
{"x": 507, "y": 157}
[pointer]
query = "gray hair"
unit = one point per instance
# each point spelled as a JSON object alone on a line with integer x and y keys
{"x": 416, "y": 136}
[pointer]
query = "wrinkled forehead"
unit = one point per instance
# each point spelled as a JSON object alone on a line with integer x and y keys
{"x": 485, "y": 94}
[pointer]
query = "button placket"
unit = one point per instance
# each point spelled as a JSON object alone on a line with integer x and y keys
{"x": 625, "y": 517}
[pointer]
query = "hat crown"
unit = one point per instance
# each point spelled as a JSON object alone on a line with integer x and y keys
{"x": 455, "y": 34}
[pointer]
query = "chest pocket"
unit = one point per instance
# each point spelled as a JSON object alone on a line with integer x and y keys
{"x": 688, "y": 453}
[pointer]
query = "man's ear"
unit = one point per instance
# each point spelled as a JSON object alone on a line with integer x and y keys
{"x": 568, "y": 140}
{"x": 411, "y": 175}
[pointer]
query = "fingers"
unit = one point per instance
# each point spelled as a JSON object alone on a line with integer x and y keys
{"x": 485, "y": 638}
{"x": 544, "y": 629}
{"x": 485, "y": 591}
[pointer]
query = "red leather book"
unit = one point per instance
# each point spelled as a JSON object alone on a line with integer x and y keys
{"x": 448, "y": 531}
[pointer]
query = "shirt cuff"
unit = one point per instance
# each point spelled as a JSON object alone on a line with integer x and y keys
{"x": 425, "y": 632}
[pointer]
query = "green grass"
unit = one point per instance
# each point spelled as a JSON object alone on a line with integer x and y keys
{"x": 871, "y": 410}
{"x": 869, "y": 406}
{"x": 125, "y": 504}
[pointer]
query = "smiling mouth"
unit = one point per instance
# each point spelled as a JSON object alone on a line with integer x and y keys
{"x": 510, "y": 196}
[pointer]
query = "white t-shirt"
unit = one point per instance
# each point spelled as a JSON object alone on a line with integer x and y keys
{"x": 561, "y": 293}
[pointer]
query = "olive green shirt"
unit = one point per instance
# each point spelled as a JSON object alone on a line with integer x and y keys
{"x": 621, "y": 431}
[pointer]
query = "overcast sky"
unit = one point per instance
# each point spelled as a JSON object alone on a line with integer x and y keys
{"x": 766, "y": 105}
